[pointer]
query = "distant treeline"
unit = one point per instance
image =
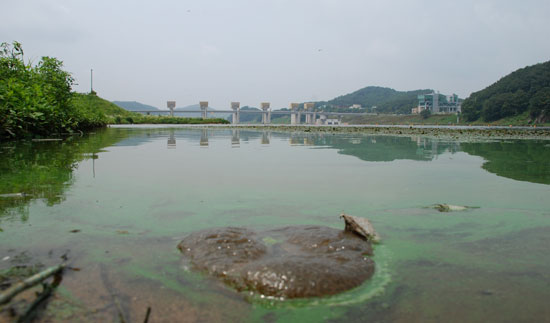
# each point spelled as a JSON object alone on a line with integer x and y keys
{"x": 526, "y": 90}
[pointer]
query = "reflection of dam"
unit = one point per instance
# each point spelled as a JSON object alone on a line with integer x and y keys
{"x": 367, "y": 148}
{"x": 235, "y": 138}
{"x": 171, "y": 141}
{"x": 204, "y": 138}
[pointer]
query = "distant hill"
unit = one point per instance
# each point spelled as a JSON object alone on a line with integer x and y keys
{"x": 525, "y": 91}
{"x": 134, "y": 106}
{"x": 386, "y": 100}
{"x": 196, "y": 107}
{"x": 250, "y": 117}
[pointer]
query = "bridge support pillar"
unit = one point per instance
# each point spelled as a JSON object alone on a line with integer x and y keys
{"x": 204, "y": 109}
{"x": 236, "y": 112}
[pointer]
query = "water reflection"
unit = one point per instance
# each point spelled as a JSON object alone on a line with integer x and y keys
{"x": 265, "y": 138}
{"x": 204, "y": 138}
{"x": 527, "y": 161}
{"x": 519, "y": 160}
{"x": 43, "y": 170}
{"x": 235, "y": 138}
{"x": 171, "y": 140}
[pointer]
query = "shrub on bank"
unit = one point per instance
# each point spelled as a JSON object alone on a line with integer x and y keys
{"x": 36, "y": 100}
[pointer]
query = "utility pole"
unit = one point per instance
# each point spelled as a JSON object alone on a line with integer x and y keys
{"x": 91, "y": 80}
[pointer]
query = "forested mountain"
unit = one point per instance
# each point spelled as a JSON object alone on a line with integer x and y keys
{"x": 386, "y": 100}
{"x": 134, "y": 106}
{"x": 250, "y": 117}
{"x": 527, "y": 89}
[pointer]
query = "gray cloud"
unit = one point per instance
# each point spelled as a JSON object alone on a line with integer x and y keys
{"x": 279, "y": 50}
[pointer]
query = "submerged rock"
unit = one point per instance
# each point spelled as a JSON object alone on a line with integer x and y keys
{"x": 290, "y": 262}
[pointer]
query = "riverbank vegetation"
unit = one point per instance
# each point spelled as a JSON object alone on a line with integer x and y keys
{"x": 36, "y": 100}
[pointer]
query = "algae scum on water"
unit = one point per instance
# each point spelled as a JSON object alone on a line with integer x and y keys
{"x": 116, "y": 203}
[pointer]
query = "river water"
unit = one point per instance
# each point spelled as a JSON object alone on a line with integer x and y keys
{"x": 116, "y": 203}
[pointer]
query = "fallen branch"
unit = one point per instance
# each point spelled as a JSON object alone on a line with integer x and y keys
{"x": 41, "y": 298}
{"x": 9, "y": 293}
{"x": 147, "y": 315}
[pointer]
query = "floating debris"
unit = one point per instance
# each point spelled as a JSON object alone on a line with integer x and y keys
{"x": 450, "y": 208}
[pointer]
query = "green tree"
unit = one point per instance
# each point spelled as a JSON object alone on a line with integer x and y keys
{"x": 34, "y": 100}
{"x": 426, "y": 113}
{"x": 539, "y": 105}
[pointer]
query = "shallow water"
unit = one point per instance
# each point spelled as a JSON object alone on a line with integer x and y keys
{"x": 135, "y": 192}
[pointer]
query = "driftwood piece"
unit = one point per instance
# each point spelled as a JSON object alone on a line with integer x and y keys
{"x": 9, "y": 293}
{"x": 361, "y": 226}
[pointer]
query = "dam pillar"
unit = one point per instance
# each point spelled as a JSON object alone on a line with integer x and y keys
{"x": 236, "y": 109}
{"x": 266, "y": 115}
{"x": 204, "y": 109}
{"x": 171, "y": 105}
{"x": 293, "y": 107}
{"x": 308, "y": 108}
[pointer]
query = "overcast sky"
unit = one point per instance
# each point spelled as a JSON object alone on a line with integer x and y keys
{"x": 279, "y": 51}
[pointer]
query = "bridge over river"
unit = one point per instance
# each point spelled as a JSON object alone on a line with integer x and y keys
{"x": 311, "y": 117}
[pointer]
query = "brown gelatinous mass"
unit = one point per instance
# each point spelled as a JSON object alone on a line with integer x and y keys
{"x": 290, "y": 262}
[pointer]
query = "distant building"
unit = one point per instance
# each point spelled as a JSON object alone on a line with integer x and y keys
{"x": 438, "y": 103}
{"x": 332, "y": 121}
{"x": 356, "y": 106}
{"x": 323, "y": 120}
